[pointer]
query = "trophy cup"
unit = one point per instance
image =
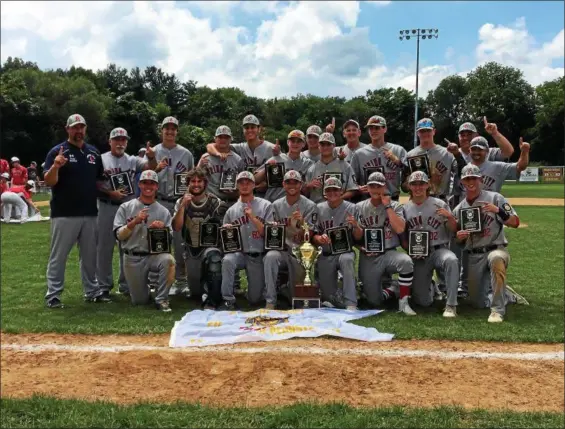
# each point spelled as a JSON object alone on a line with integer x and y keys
{"x": 306, "y": 294}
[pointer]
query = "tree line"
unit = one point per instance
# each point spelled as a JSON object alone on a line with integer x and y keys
{"x": 35, "y": 103}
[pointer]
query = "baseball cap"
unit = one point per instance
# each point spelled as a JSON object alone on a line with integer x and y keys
{"x": 15, "y": 159}
{"x": 149, "y": 175}
{"x": 351, "y": 121}
{"x": 467, "y": 126}
{"x": 170, "y": 120}
{"x": 118, "y": 132}
{"x": 470, "y": 170}
{"x": 314, "y": 130}
{"x": 418, "y": 176}
{"x": 142, "y": 150}
{"x": 251, "y": 119}
{"x": 245, "y": 175}
{"x": 30, "y": 183}
{"x": 377, "y": 121}
{"x": 292, "y": 175}
{"x": 376, "y": 178}
{"x": 479, "y": 141}
{"x": 75, "y": 119}
{"x": 296, "y": 134}
{"x": 223, "y": 130}
{"x": 327, "y": 137}
{"x": 5, "y": 176}
{"x": 332, "y": 182}
{"x": 425, "y": 124}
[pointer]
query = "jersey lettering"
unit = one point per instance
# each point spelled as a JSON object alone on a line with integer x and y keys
{"x": 488, "y": 182}
{"x": 434, "y": 222}
{"x": 415, "y": 222}
{"x": 440, "y": 166}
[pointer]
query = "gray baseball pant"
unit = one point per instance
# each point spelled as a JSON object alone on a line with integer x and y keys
{"x": 65, "y": 232}
{"x": 12, "y": 200}
{"x": 446, "y": 264}
{"x": 136, "y": 269}
{"x": 105, "y": 249}
{"x": 327, "y": 267}
{"x": 194, "y": 269}
{"x": 272, "y": 262}
{"x": 178, "y": 243}
{"x": 372, "y": 269}
{"x": 255, "y": 277}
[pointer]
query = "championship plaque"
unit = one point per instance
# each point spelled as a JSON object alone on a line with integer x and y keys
{"x": 121, "y": 182}
{"x": 418, "y": 243}
{"x": 227, "y": 180}
{"x": 374, "y": 240}
{"x": 339, "y": 240}
{"x": 371, "y": 170}
{"x": 275, "y": 174}
{"x": 419, "y": 163}
{"x": 231, "y": 239}
{"x": 180, "y": 184}
{"x": 208, "y": 235}
{"x": 274, "y": 237}
{"x": 470, "y": 219}
{"x": 159, "y": 240}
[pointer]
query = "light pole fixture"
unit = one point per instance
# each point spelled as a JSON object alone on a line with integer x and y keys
{"x": 417, "y": 34}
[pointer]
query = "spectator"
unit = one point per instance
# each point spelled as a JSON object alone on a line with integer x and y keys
{"x": 18, "y": 172}
{"x": 32, "y": 172}
{"x": 18, "y": 196}
{"x": 4, "y": 178}
{"x": 4, "y": 166}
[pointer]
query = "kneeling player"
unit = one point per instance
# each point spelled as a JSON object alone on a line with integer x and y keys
{"x": 132, "y": 224}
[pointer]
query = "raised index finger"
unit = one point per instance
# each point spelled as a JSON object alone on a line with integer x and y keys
{"x": 485, "y": 120}
{"x": 333, "y": 122}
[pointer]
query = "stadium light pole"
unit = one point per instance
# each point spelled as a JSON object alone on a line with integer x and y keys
{"x": 424, "y": 34}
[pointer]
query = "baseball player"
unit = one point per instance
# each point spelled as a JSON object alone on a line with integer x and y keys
{"x": 4, "y": 179}
{"x": 488, "y": 254}
{"x": 313, "y": 140}
{"x": 115, "y": 163}
{"x": 216, "y": 165}
{"x": 388, "y": 158}
{"x": 18, "y": 197}
{"x": 140, "y": 154}
{"x": 18, "y": 173}
{"x": 329, "y": 165}
{"x": 333, "y": 213}
{"x": 73, "y": 171}
{"x": 351, "y": 134}
{"x": 381, "y": 212}
{"x": 172, "y": 160}
{"x": 468, "y": 132}
{"x": 292, "y": 210}
{"x": 203, "y": 264}
{"x": 292, "y": 161}
{"x": 133, "y": 221}
{"x": 249, "y": 214}
{"x": 425, "y": 213}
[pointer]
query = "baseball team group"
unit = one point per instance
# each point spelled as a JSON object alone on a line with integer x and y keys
{"x": 340, "y": 195}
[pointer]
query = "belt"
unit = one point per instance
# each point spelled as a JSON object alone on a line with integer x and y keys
{"x": 169, "y": 200}
{"x": 253, "y": 254}
{"x": 114, "y": 203}
{"x": 439, "y": 246}
{"x": 132, "y": 253}
{"x": 485, "y": 249}
{"x": 379, "y": 253}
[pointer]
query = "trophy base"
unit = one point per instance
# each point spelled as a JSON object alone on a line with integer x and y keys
{"x": 302, "y": 291}
{"x": 304, "y": 303}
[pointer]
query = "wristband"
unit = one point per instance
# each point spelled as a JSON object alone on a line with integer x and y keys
{"x": 504, "y": 215}
{"x": 388, "y": 207}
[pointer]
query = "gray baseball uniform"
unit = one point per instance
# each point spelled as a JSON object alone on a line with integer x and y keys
{"x": 328, "y": 264}
{"x": 494, "y": 174}
{"x": 423, "y": 217}
{"x": 274, "y": 259}
{"x": 349, "y": 152}
{"x": 301, "y": 164}
{"x": 373, "y": 268}
{"x": 370, "y": 158}
{"x": 336, "y": 166}
{"x": 216, "y": 167}
{"x": 494, "y": 154}
{"x": 443, "y": 161}
{"x": 107, "y": 209}
{"x": 251, "y": 257}
{"x": 313, "y": 158}
{"x": 487, "y": 250}
{"x": 137, "y": 260}
{"x": 254, "y": 158}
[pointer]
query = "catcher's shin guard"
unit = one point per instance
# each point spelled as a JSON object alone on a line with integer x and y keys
{"x": 213, "y": 270}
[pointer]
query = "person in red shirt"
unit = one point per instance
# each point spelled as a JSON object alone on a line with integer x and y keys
{"x": 13, "y": 197}
{"x": 4, "y": 166}
{"x": 19, "y": 173}
{"x": 4, "y": 177}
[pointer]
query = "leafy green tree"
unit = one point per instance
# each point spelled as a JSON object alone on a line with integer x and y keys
{"x": 547, "y": 144}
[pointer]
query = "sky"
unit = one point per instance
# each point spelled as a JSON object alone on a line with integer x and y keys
{"x": 281, "y": 49}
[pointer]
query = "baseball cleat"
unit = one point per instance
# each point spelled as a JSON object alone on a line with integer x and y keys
{"x": 450, "y": 311}
{"x": 173, "y": 290}
{"x": 405, "y": 308}
{"x": 462, "y": 294}
{"x": 351, "y": 308}
{"x": 495, "y": 317}
{"x": 55, "y": 303}
{"x": 163, "y": 306}
{"x": 100, "y": 298}
{"x": 186, "y": 292}
{"x": 227, "y": 306}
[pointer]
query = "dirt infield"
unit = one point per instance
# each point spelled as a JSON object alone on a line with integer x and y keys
{"x": 129, "y": 369}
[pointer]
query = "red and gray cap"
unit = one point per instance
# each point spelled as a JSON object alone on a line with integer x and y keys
{"x": 480, "y": 142}
{"x": 351, "y": 121}
{"x": 376, "y": 121}
{"x": 425, "y": 124}
{"x": 149, "y": 175}
{"x": 245, "y": 175}
{"x": 314, "y": 130}
{"x": 170, "y": 120}
{"x": 327, "y": 137}
{"x": 75, "y": 119}
{"x": 119, "y": 132}
{"x": 418, "y": 176}
{"x": 376, "y": 178}
{"x": 223, "y": 130}
{"x": 467, "y": 126}
{"x": 332, "y": 182}
{"x": 296, "y": 134}
{"x": 292, "y": 175}
{"x": 251, "y": 120}
{"x": 471, "y": 170}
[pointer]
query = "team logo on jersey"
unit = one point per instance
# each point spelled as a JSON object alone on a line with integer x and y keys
{"x": 507, "y": 207}
{"x": 91, "y": 158}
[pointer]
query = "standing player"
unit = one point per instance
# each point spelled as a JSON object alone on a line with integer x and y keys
{"x": 18, "y": 173}
{"x": 172, "y": 159}
{"x": 329, "y": 165}
{"x": 468, "y": 132}
{"x": 203, "y": 264}
{"x": 115, "y": 162}
{"x": 292, "y": 161}
{"x": 74, "y": 172}
{"x": 133, "y": 221}
{"x": 351, "y": 133}
{"x": 313, "y": 140}
{"x": 424, "y": 213}
{"x": 249, "y": 214}
{"x": 488, "y": 254}
{"x": 292, "y": 210}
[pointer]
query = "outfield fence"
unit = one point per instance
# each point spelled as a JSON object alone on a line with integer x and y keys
{"x": 541, "y": 174}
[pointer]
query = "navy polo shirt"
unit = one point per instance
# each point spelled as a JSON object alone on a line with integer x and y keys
{"x": 76, "y": 192}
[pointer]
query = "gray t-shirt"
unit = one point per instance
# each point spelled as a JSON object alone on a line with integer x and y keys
{"x": 216, "y": 167}
{"x": 301, "y": 164}
{"x": 129, "y": 164}
{"x": 370, "y": 216}
{"x": 331, "y": 218}
{"x": 424, "y": 217}
{"x": 180, "y": 160}
{"x": 348, "y": 151}
{"x": 282, "y": 213}
{"x": 251, "y": 239}
{"x": 336, "y": 166}
{"x": 443, "y": 161}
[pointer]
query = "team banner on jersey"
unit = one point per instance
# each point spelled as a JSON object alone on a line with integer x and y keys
{"x": 530, "y": 174}
{"x": 200, "y": 328}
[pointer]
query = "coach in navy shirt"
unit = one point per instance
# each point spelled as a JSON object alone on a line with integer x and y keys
{"x": 73, "y": 170}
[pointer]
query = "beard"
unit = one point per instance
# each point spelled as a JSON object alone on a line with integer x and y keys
{"x": 78, "y": 137}
{"x": 191, "y": 191}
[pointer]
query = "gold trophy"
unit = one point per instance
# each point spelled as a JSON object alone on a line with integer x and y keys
{"x": 306, "y": 293}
